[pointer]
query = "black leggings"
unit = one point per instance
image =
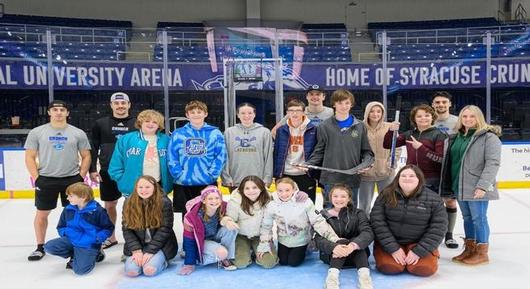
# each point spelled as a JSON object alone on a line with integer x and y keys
{"x": 291, "y": 256}
{"x": 357, "y": 258}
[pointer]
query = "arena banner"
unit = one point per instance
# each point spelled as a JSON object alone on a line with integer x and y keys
{"x": 22, "y": 74}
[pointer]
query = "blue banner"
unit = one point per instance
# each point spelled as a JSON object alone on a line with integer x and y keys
{"x": 139, "y": 76}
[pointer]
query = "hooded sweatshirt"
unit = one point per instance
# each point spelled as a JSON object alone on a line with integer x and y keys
{"x": 249, "y": 151}
{"x": 196, "y": 156}
{"x": 376, "y": 135}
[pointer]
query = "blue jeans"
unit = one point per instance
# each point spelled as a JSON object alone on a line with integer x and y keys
{"x": 157, "y": 262}
{"x": 475, "y": 220}
{"x": 225, "y": 238}
{"x": 327, "y": 201}
{"x": 83, "y": 260}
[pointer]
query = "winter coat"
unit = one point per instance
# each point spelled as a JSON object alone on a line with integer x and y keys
{"x": 162, "y": 238}
{"x": 249, "y": 226}
{"x": 194, "y": 234}
{"x": 420, "y": 219}
{"x": 479, "y": 167}
{"x": 126, "y": 165}
{"x": 196, "y": 156}
{"x": 87, "y": 227}
{"x": 427, "y": 157}
{"x": 281, "y": 146}
{"x": 376, "y": 134}
{"x": 341, "y": 149}
{"x": 295, "y": 221}
{"x": 351, "y": 224}
{"x": 249, "y": 152}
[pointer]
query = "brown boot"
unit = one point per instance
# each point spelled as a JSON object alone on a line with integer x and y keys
{"x": 480, "y": 256}
{"x": 469, "y": 248}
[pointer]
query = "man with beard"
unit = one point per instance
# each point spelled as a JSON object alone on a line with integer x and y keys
{"x": 105, "y": 133}
{"x": 441, "y": 102}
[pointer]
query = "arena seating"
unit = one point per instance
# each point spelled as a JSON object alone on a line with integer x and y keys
{"x": 452, "y": 39}
{"x": 23, "y": 36}
{"x": 326, "y": 43}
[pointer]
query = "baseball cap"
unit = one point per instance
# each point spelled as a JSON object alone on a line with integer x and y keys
{"x": 57, "y": 103}
{"x": 119, "y": 96}
{"x": 314, "y": 87}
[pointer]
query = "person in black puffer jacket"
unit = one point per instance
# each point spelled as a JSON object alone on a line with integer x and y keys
{"x": 409, "y": 222}
{"x": 150, "y": 242}
{"x": 352, "y": 226}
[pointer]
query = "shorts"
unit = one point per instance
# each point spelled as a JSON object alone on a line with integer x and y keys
{"x": 108, "y": 189}
{"x": 47, "y": 189}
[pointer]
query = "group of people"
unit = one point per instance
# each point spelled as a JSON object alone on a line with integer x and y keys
{"x": 450, "y": 160}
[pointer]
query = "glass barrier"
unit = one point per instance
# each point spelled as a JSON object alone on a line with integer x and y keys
{"x": 225, "y": 66}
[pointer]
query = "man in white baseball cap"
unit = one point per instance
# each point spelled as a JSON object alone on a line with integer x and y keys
{"x": 105, "y": 133}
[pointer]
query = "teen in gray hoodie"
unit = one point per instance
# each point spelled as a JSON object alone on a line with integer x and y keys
{"x": 249, "y": 146}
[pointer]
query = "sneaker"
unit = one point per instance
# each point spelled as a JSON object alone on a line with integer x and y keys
{"x": 108, "y": 243}
{"x": 36, "y": 255}
{"x": 227, "y": 265}
{"x": 451, "y": 243}
{"x": 69, "y": 264}
{"x": 101, "y": 256}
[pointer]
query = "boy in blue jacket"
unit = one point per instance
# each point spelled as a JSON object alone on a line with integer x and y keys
{"x": 196, "y": 155}
{"x": 83, "y": 226}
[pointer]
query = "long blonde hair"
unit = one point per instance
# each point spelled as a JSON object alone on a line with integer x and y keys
{"x": 141, "y": 213}
{"x": 481, "y": 121}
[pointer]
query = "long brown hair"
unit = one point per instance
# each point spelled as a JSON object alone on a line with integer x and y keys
{"x": 263, "y": 199}
{"x": 390, "y": 192}
{"x": 141, "y": 213}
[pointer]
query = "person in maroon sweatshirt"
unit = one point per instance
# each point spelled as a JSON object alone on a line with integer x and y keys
{"x": 425, "y": 149}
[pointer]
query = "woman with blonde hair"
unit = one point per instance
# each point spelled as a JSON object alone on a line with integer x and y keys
{"x": 150, "y": 242}
{"x": 142, "y": 152}
{"x": 471, "y": 163}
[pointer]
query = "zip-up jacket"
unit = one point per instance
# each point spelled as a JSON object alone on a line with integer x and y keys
{"x": 86, "y": 228}
{"x": 420, "y": 219}
{"x": 162, "y": 238}
{"x": 126, "y": 165}
{"x": 478, "y": 169}
{"x": 194, "y": 235}
{"x": 281, "y": 146}
{"x": 351, "y": 224}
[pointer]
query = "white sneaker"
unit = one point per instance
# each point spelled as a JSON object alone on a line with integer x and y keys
{"x": 332, "y": 280}
{"x": 365, "y": 281}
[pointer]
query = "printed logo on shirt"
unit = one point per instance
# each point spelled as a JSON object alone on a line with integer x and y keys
{"x": 354, "y": 134}
{"x": 195, "y": 146}
{"x": 246, "y": 145}
{"x": 444, "y": 129}
{"x": 296, "y": 143}
{"x": 58, "y": 141}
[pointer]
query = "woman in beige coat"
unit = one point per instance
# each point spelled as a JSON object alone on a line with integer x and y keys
{"x": 380, "y": 173}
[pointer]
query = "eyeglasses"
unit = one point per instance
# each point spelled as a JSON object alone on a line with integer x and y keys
{"x": 295, "y": 110}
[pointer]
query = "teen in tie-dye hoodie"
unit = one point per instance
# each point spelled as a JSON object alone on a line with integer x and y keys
{"x": 196, "y": 155}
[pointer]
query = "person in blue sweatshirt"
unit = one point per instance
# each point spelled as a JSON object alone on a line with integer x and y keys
{"x": 142, "y": 152}
{"x": 82, "y": 227}
{"x": 196, "y": 155}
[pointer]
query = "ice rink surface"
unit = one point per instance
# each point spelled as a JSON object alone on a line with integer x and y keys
{"x": 509, "y": 260}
